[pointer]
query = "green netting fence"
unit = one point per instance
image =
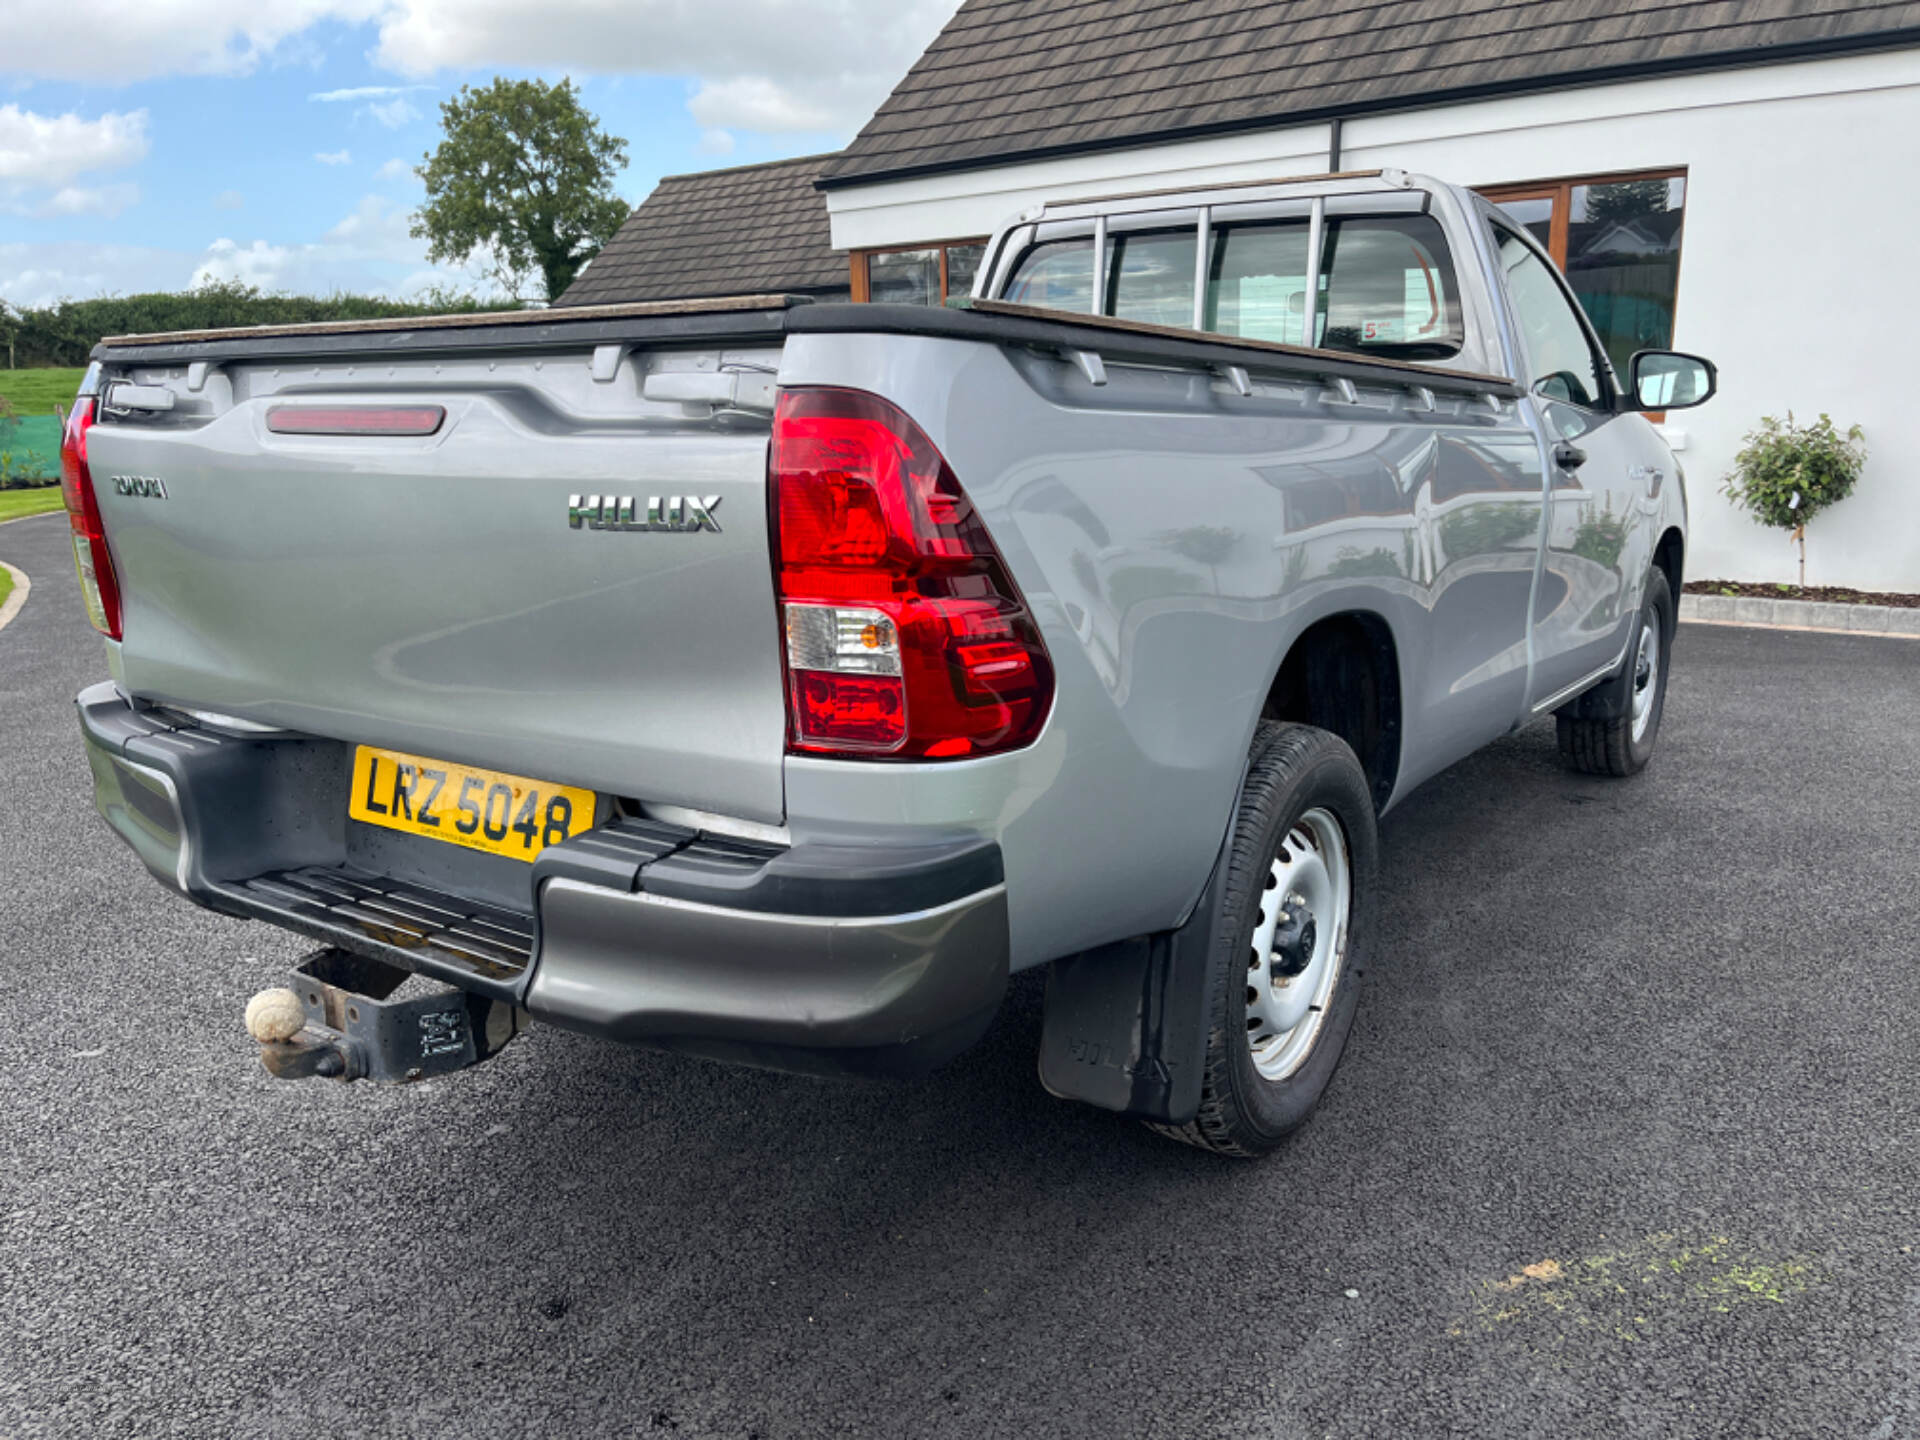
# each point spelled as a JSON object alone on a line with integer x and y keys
{"x": 29, "y": 449}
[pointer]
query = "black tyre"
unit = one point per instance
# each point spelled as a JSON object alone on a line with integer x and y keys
{"x": 1611, "y": 730}
{"x": 1289, "y": 940}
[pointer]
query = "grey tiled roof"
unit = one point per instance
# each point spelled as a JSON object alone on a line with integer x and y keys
{"x": 1017, "y": 79}
{"x": 755, "y": 229}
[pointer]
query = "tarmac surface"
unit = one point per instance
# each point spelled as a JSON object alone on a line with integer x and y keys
{"x": 1625, "y": 1144}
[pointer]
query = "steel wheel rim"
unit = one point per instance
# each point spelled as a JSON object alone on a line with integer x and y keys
{"x": 1285, "y": 1014}
{"x": 1646, "y": 675}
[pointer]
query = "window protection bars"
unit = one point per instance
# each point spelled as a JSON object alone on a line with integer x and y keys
{"x": 1203, "y": 242}
{"x": 1316, "y": 225}
{"x": 1100, "y": 265}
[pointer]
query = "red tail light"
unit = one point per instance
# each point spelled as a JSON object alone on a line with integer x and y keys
{"x": 99, "y": 586}
{"x": 906, "y": 638}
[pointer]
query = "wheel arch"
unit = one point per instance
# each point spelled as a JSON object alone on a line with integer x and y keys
{"x": 1670, "y": 553}
{"x": 1343, "y": 674}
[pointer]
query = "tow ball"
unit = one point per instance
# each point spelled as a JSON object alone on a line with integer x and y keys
{"x": 347, "y": 1017}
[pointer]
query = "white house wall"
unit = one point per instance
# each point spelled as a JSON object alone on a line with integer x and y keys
{"x": 1797, "y": 270}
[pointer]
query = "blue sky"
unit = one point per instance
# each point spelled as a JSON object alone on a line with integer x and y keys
{"x": 273, "y": 140}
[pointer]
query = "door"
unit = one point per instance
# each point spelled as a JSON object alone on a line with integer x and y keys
{"x": 1595, "y": 549}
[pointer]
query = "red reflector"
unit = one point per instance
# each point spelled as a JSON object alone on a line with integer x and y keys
{"x": 92, "y": 561}
{"x": 355, "y": 419}
{"x": 906, "y": 636}
{"x": 849, "y": 711}
{"x": 994, "y": 669}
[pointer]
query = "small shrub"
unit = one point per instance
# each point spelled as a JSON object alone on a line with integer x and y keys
{"x": 1782, "y": 460}
{"x": 1786, "y": 474}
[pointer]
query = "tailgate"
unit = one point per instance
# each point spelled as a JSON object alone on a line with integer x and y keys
{"x": 434, "y": 594}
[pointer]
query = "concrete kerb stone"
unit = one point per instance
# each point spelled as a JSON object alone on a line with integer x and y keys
{"x": 1821, "y": 615}
{"x": 16, "y": 600}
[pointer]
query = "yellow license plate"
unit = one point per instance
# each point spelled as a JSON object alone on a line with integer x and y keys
{"x": 480, "y": 809}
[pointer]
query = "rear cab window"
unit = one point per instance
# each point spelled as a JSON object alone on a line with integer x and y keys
{"x": 1387, "y": 283}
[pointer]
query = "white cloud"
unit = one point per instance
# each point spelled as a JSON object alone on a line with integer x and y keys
{"x": 377, "y": 229}
{"x": 771, "y": 65}
{"x": 365, "y": 92}
{"x": 53, "y": 149}
{"x": 753, "y": 102}
{"x": 819, "y": 66}
{"x": 386, "y": 105}
{"x": 111, "y": 40}
{"x": 716, "y": 142}
{"x": 391, "y": 113}
{"x": 369, "y": 251}
{"x": 105, "y": 201}
{"x": 256, "y": 264}
{"x": 395, "y": 169}
{"x": 334, "y": 157}
{"x": 39, "y": 274}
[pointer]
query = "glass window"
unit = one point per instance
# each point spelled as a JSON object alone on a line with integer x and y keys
{"x": 1150, "y": 277}
{"x": 1257, "y": 282}
{"x": 1618, "y": 243}
{"x": 915, "y": 276}
{"x": 1386, "y": 283}
{"x": 963, "y": 263}
{"x": 1059, "y": 275}
{"x": 1386, "y": 286}
{"x": 904, "y": 277}
{"x": 1623, "y": 261}
{"x": 1534, "y": 213}
{"x": 1563, "y": 363}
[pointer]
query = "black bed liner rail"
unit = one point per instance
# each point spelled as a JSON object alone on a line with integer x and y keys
{"x": 1089, "y": 340}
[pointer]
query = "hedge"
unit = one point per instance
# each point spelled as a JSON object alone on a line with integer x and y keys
{"x": 64, "y": 333}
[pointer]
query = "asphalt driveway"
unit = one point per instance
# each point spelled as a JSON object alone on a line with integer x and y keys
{"x": 1626, "y": 1144}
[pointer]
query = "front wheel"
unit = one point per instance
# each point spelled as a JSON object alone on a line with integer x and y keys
{"x": 1612, "y": 730}
{"x": 1290, "y": 935}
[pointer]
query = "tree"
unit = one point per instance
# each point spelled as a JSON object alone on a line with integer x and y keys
{"x": 1787, "y": 473}
{"x": 1626, "y": 199}
{"x": 524, "y": 176}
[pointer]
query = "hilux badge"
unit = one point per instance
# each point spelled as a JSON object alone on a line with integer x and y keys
{"x": 617, "y": 512}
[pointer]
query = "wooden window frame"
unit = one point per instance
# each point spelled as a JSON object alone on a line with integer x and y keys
{"x": 859, "y": 281}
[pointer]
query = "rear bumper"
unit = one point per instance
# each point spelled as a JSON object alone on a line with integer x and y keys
{"x": 811, "y": 958}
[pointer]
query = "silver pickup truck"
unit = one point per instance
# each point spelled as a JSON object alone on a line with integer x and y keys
{"x": 769, "y": 681}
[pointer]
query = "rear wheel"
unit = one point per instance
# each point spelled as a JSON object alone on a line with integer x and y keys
{"x": 1618, "y": 737}
{"x": 1289, "y": 940}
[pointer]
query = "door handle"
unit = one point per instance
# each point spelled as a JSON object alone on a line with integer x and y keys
{"x": 1569, "y": 457}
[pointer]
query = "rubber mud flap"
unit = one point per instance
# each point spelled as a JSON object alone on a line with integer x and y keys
{"x": 1126, "y": 1024}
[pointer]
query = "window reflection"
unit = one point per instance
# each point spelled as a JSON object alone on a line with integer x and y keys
{"x": 963, "y": 262}
{"x": 1150, "y": 278}
{"x": 1057, "y": 275}
{"x": 912, "y": 276}
{"x": 904, "y": 277}
{"x": 1534, "y": 214}
{"x": 1623, "y": 261}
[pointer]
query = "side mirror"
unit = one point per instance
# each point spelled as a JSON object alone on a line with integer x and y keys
{"x": 1670, "y": 380}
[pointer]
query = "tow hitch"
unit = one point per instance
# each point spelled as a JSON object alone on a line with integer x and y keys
{"x": 346, "y": 1017}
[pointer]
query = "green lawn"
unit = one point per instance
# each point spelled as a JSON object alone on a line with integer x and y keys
{"x": 6, "y": 587}
{"x": 36, "y": 392}
{"x": 16, "y": 503}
